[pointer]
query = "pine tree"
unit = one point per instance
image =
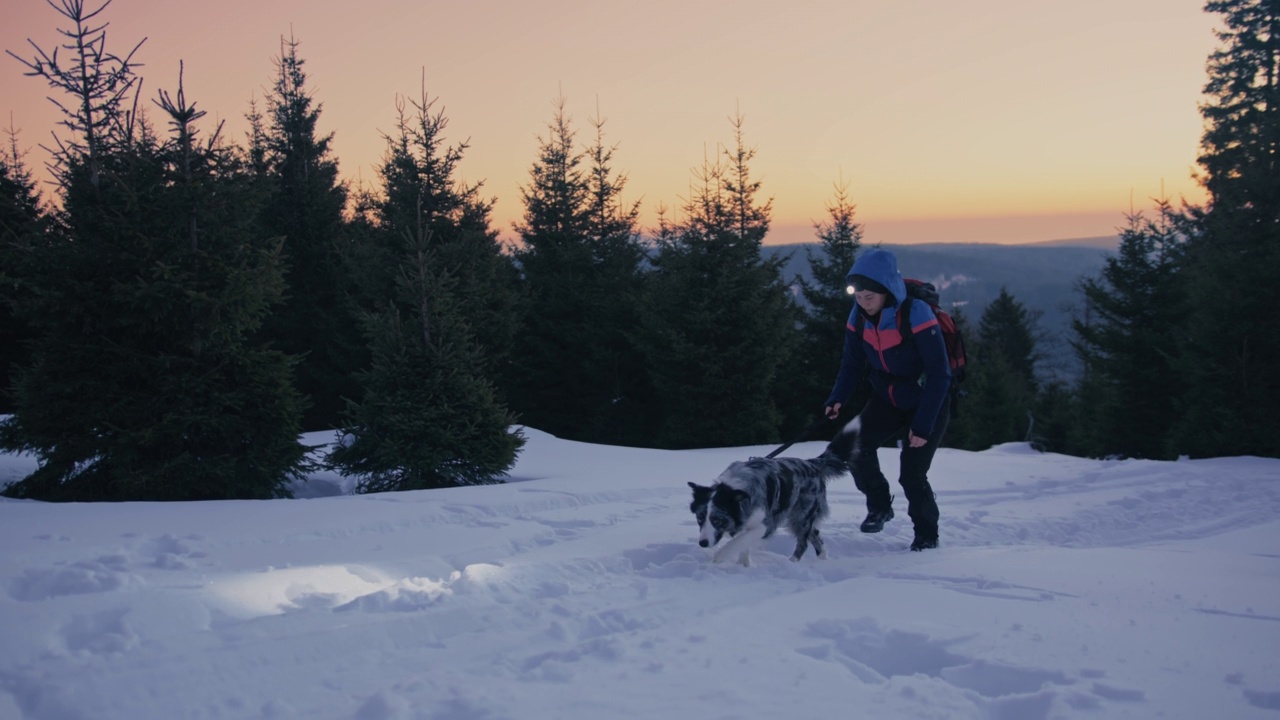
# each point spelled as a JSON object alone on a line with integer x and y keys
{"x": 143, "y": 384}
{"x": 96, "y": 81}
{"x": 581, "y": 258}
{"x": 719, "y": 321}
{"x": 1000, "y": 381}
{"x": 827, "y": 312}
{"x": 421, "y": 191}
{"x": 21, "y": 231}
{"x": 1007, "y": 329}
{"x": 429, "y": 415}
{"x": 1126, "y": 345}
{"x": 256, "y": 150}
{"x": 428, "y": 418}
{"x": 555, "y": 262}
{"x": 1054, "y": 418}
{"x": 1242, "y": 115}
{"x": 305, "y": 208}
{"x": 614, "y": 379}
{"x": 997, "y": 410}
{"x": 1230, "y": 337}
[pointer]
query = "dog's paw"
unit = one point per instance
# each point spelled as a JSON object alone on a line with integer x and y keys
{"x": 745, "y": 560}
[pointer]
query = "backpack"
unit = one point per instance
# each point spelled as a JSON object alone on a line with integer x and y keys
{"x": 921, "y": 290}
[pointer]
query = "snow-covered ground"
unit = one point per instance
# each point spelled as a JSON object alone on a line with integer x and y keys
{"x": 1064, "y": 588}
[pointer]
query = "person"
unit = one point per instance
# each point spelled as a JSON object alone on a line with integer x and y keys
{"x": 910, "y": 380}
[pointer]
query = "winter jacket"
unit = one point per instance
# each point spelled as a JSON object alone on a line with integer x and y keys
{"x": 912, "y": 376}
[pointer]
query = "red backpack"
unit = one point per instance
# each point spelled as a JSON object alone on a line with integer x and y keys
{"x": 921, "y": 290}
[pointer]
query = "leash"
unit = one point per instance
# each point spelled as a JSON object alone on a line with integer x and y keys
{"x": 822, "y": 420}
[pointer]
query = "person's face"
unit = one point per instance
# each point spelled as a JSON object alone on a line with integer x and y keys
{"x": 870, "y": 302}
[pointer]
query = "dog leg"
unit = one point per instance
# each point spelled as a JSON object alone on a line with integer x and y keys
{"x": 818, "y": 545}
{"x": 740, "y": 545}
{"x": 802, "y": 544}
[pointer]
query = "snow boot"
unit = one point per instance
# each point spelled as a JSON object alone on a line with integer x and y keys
{"x": 877, "y": 517}
{"x": 924, "y": 542}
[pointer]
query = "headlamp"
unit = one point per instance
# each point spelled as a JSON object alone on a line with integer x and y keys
{"x": 855, "y": 283}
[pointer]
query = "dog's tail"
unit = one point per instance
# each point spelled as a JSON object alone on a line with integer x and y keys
{"x": 843, "y": 444}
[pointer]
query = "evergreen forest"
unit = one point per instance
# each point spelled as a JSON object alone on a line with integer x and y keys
{"x": 180, "y": 307}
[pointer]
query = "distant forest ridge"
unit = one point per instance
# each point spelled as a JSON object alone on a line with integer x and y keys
{"x": 1042, "y": 276}
{"x": 1106, "y": 242}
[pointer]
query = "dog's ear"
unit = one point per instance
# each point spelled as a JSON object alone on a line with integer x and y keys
{"x": 700, "y": 491}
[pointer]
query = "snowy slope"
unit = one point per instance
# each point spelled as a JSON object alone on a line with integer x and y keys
{"x": 1064, "y": 588}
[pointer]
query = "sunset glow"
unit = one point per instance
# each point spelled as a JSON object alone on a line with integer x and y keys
{"x": 994, "y": 120}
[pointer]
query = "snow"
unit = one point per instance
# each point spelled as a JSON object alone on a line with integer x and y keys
{"x": 1064, "y": 588}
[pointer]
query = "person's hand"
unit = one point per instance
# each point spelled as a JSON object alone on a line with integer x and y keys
{"x": 833, "y": 411}
{"x": 915, "y": 440}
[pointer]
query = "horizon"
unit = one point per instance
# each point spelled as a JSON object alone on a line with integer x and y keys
{"x": 1012, "y": 230}
{"x": 994, "y": 122}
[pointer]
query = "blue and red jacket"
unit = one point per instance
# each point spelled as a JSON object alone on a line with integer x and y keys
{"x": 912, "y": 376}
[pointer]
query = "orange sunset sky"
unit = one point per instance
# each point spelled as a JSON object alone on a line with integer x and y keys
{"x": 985, "y": 121}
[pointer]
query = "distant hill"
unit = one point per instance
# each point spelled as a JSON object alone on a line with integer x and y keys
{"x": 1041, "y": 276}
{"x": 1105, "y": 242}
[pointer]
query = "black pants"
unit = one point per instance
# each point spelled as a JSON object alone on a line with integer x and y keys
{"x": 880, "y": 423}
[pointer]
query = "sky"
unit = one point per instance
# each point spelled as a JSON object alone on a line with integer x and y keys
{"x": 1063, "y": 588}
{"x": 990, "y": 120}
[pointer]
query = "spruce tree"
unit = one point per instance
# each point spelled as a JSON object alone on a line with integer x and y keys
{"x": 429, "y": 274}
{"x": 998, "y": 408}
{"x": 555, "y": 261}
{"x": 96, "y": 81}
{"x": 421, "y": 192}
{"x": 21, "y": 231}
{"x": 428, "y": 418}
{"x": 305, "y": 209}
{"x": 143, "y": 384}
{"x": 1238, "y": 150}
{"x": 719, "y": 322}
{"x": 1230, "y": 337}
{"x": 1126, "y": 345}
{"x": 1000, "y": 382}
{"x": 614, "y": 380}
{"x": 826, "y": 313}
{"x": 1008, "y": 329}
{"x": 578, "y": 376}
{"x": 1055, "y": 418}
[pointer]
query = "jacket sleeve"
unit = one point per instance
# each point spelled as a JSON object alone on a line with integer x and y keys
{"x": 937, "y": 368}
{"x": 852, "y": 364}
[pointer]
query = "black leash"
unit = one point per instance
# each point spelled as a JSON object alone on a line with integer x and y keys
{"x": 822, "y": 420}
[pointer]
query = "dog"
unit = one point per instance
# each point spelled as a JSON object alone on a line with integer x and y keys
{"x": 751, "y": 499}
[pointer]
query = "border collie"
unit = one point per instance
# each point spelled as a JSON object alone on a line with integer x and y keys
{"x": 751, "y": 499}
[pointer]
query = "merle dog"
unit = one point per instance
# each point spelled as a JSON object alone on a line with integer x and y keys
{"x": 751, "y": 499}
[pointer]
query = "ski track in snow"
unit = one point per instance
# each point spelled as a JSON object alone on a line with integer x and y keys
{"x": 543, "y": 579}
